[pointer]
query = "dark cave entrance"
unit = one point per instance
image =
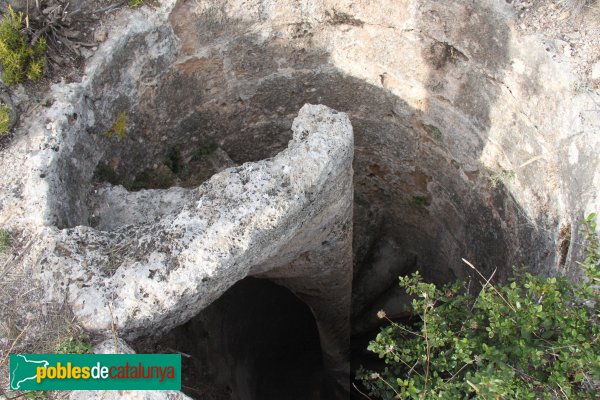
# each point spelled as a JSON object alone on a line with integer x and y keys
{"x": 257, "y": 341}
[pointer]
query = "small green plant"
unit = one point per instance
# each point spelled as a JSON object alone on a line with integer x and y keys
{"x": 591, "y": 263}
{"x": 74, "y": 345}
{"x": 36, "y": 394}
{"x": 503, "y": 177}
{"x": 19, "y": 58}
{"x": 173, "y": 159}
{"x": 119, "y": 128}
{"x": 4, "y": 118}
{"x": 341, "y": 18}
{"x": 434, "y": 132}
{"x": 532, "y": 338}
{"x": 4, "y": 241}
{"x": 418, "y": 201}
{"x": 204, "y": 150}
{"x": 135, "y": 3}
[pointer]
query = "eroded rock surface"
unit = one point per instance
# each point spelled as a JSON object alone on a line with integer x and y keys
{"x": 287, "y": 218}
{"x": 472, "y": 140}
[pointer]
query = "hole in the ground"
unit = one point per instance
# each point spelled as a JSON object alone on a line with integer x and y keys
{"x": 214, "y": 95}
{"x": 257, "y": 341}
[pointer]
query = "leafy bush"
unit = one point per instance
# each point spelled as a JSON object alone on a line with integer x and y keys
{"x": 4, "y": 118}
{"x": 533, "y": 338}
{"x": 19, "y": 58}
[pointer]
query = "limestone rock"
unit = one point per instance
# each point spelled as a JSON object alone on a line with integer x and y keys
{"x": 470, "y": 142}
{"x": 159, "y": 272}
{"x": 596, "y": 70}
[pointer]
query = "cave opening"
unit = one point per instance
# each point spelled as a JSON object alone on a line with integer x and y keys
{"x": 257, "y": 341}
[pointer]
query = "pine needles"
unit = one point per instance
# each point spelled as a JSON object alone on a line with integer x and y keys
{"x": 19, "y": 58}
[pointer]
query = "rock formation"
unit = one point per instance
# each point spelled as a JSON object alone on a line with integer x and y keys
{"x": 471, "y": 140}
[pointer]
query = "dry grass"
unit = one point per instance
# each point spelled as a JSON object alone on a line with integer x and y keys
{"x": 28, "y": 322}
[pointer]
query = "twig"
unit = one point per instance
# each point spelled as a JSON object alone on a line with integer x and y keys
{"x": 492, "y": 286}
{"x": 180, "y": 352}
{"x": 562, "y": 391}
{"x": 84, "y": 44}
{"x": 483, "y": 288}
{"x": 5, "y": 266}
{"x": 458, "y": 372}
{"x": 194, "y": 389}
{"x": 358, "y": 390}
{"x": 427, "y": 349}
{"x": 14, "y": 343}
{"x": 396, "y": 325}
{"x": 13, "y": 258}
{"x": 531, "y": 160}
{"x": 387, "y": 383}
{"x": 112, "y": 327}
{"x": 411, "y": 369}
{"x": 39, "y": 33}
{"x": 110, "y": 7}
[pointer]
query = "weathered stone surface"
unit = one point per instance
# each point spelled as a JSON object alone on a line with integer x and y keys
{"x": 471, "y": 141}
{"x": 287, "y": 218}
{"x": 244, "y": 221}
{"x": 596, "y": 70}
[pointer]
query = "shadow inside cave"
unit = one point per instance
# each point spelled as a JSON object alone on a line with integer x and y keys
{"x": 257, "y": 341}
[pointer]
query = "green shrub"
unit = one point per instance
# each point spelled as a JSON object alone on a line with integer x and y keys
{"x": 19, "y": 59}
{"x": 4, "y": 118}
{"x": 532, "y": 338}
